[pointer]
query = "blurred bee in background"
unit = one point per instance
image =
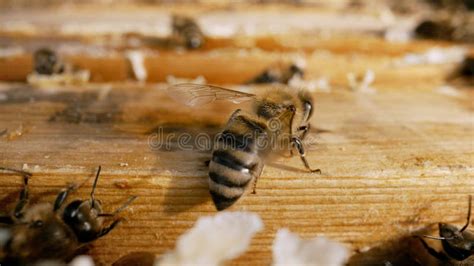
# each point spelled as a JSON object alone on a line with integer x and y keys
{"x": 49, "y": 232}
{"x": 47, "y": 62}
{"x": 458, "y": 244}
{"x": 187, "y": 32}
{"x": 49, "y": 69}
{"x": 278, "y": 122}
{"x": 279, "y": 73}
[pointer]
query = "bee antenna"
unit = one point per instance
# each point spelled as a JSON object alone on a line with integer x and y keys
{"x": 436, "y": 237}
{"x": 468, "y": 215}
{"x": 95, "y": 185}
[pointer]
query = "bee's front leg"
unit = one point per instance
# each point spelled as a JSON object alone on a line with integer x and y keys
{"x": 439, "y": 255}
{"x": 299, "y": 146}
{"x": 62, "y": 196}
{"x": 304, "y": 129}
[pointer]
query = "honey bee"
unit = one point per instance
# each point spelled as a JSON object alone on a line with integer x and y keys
{"x": 47, "y": 62}
{"x": 280, "y": 73}
{"x": 279, "y": 121}
{"x": 52, "y": 231}
{"x": 187, "y": 31}
{"x": 458, "y": 244}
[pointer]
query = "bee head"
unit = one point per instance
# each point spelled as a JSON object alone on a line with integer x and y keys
{"x": 83, "y": 216}
{"x": 458, "y": 244}
{"x": 449, "y": 232}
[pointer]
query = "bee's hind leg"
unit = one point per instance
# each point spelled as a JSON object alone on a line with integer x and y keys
{"x": 299, "y": 146}
{"x": 256, "y": 173}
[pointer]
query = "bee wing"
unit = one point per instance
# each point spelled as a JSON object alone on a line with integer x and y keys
{"x": 197, "y": 94}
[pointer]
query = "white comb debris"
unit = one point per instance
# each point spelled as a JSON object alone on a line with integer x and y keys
{"x": 137, "y": 61}
{"x": 290, "y": 249}
{"x": 77, "y": 77}
{"x": 321, "y": 84}
{"x": 82, "y": 260}
{"x": 435, "y": 56}
{"x": 214, "y": 239}
{"x": 361, "y": 84}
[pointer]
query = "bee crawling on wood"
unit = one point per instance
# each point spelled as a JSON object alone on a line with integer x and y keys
{"x": 50, "y": 68}
{"x": 47, "y": 62}
{"x": 458, "y": 244}
{"x": 52, "y": 231}
{"x": 187, "y": 32}
{"x": 277, "y": 123}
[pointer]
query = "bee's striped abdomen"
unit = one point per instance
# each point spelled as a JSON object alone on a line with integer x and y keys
{"x": 233, "y": 162}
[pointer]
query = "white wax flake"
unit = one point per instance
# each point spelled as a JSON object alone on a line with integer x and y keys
{"x": 321, "y": 84}
{"x": 435, "y": 56}
{"x": 123, "y": 164}
{"x": 137, "y": 61}
{"x": 214, "y": 239}
{"x": 45, "y": 81}
{"x": 82, "y": 260}
{"x": 290, "y": 249}
{"x": 362, "y": 84}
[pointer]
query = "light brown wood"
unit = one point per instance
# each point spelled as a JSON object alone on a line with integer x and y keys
{"x": 393, "y": 162}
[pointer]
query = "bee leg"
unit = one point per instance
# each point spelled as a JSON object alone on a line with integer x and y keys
{"x": 299, "y": 146}
{"x": 258, "y": 171}
{"x": 121, "y": 208}
{"x": 20, "y": 206}
{"x": 62, "y": 196}
{"x": 305, "y": 130}
{"x": 439, "y": 255}
{"x": 109, "y": 228}
{"x": 207, "y": 162}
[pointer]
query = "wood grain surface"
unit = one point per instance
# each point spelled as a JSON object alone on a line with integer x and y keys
{"x": 394, "y": 161}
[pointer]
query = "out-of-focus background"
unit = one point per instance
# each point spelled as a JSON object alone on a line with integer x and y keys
{"x": 392, "y": 130}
